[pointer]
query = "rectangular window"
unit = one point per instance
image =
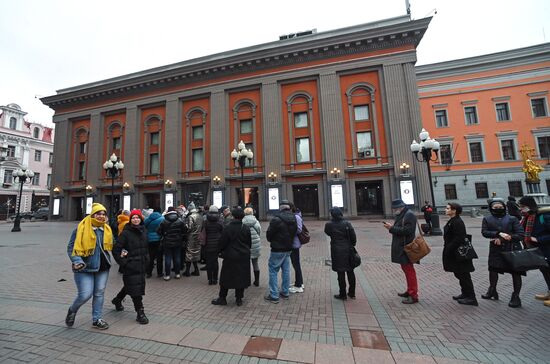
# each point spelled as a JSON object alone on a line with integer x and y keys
{"x": 50, "y": 159}
{"x": 470, "y": 114}
{"x": 441, "y": 120}
{"x": 539, "y": 107}
{"x": 544, "y": 146}
{"x": 246, "y": 126}
{"x": 155, "y": 138}
{"x": 11, "y": 151}
{"x": 515, "y": 189}
{"x": 548, "y": 186}
{"x": 81, "y": 170}
{"x": 450, "y": 192}
{"x": 48, "y": 180}
{"x": 117, "y": 143}
{"x": 361, "y": 112}
{"x": 476, "y": 152}
{"x": 481, "y": 190}
{"x": 82, "y": 147}
{"x": 364, "y": 145}
{"x": 300, "y": 119}
{"x": 445, "y": 154}
{"x": 198, "y": 132}
{"x": 198, "y": 160}
{"x": 36, "y": 179}
{"x": 508, "y": 149}
{"x": 302, "y": 150}
{"x": 503, "y": 111}
{"x": 37, "y": 155}
{"x": 13, "y": 123}
{"x": 154, "y": 163}
{"x": 8, "y": 176}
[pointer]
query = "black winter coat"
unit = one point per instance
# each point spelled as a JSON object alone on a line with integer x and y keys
{"x": 403, "y": 232}
{"x": 281, "y": 231}
{"x": 172, "y": 231}
{"x": 342, "y": 238}
{"x": 133, "y": 267}
{"x": 454, "y": 235}
{"x": 213, "y": 227}
{"x": 491, "y": 226}
{"x": 234, "y": 244}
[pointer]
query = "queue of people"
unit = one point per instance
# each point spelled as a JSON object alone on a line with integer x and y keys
{"x": 234, "y": 235}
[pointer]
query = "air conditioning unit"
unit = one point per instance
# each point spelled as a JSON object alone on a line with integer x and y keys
{"x": 369, "y": 153}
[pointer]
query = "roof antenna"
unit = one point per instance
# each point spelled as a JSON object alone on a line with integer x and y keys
{"x": 433, "y": 11}
{"x": 408, "y": 7}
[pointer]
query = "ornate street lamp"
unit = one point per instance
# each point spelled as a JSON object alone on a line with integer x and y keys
{"x": 242, "y": 156}
{"x": 23, "y": 175}
{"x": 113, "y": 166}
{"x": 428, "y": 148}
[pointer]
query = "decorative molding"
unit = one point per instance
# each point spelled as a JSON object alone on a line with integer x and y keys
{"x": 469, "y": 102}
{"x": 537, "y": 94}
{"x": 439, "y": 106}
{"x": 501, "y": 98}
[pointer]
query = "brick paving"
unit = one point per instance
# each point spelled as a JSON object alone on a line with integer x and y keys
{"x": 36, "y": 287}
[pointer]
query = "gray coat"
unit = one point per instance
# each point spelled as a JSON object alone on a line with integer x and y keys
{"x": 256, "y": 231}
{"x": 403, "y": 232}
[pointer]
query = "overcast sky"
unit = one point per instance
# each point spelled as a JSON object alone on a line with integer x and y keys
{"x": 49, "y": 45}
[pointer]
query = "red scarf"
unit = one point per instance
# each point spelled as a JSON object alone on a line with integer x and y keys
{"x": 528, "y": 223}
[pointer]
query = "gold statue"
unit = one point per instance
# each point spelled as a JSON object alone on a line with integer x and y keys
{"x": 530, "y": 168}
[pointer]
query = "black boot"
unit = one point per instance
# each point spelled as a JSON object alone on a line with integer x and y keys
{"x": 141, "y": 318}
{"x": 491, "y": 294}
{"x": 118, "y": 304}
{"x": 187, "y": 269}
{"x": 515, "y": 301}
{"x": 257, "y": 278}
{"x": 220, "y": 301}
{"x": 468, "y": 301}
{"x": 196, "y": 271}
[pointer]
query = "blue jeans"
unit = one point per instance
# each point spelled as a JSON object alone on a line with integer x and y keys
{"x": 88, "y": 285}
{"x": 279, "y": 260}
{"x": 169, "y": 255}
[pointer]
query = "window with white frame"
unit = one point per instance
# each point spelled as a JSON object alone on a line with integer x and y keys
{"x": 476, "y": 152}
{"x": 13, "y": 123}
{"x": 246, "y": 126}
{"x": 470, "y": 115}
{"x": 302, "y": 150}
{"x": 508, "y": 147}
{"x": 36, "y": 132}
{"x": 503, "y": 111}
{"x": 441, "y": 120}
{"x": 37, "y": 155}
{"x": 361, "y": 112}
{"x": 446, "y": 154}
{"x": 543, "y": 143}
{"x": 155, "y": 138}
{"x": 198, "y": 159}
{"x": 117, "y": 143}
{"x": 364, "y": 145}
{"x": 539, "y": 108}
{"x": 300, "y": 119}
{"x": 48, "y": 180}
{"x": 198, "y": 132}
{"x": 154, "y": 163}
{"x": 11, "y": 151}
{"x": 8, "y": 176}
{"x": 36, "y": 179}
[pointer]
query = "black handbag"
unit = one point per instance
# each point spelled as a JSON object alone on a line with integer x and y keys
{"x": 354, "y": 257}
{"x": 466, "y": 250}
{"x": 525, "y": 259}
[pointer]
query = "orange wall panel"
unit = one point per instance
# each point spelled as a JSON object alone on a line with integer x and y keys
{"x": 196, "y": 119}
{"x": 147, "y": 112}
{"x": 255, "y": 97}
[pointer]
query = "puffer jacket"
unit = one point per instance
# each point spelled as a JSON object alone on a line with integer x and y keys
{"x": 213, "y": 227}
{"x": 122, "y": 220}
{"x": 152, "y": 223}
{"x": 281, "y": 231}
{"x": 252, "y": 223}
{"x": 172, "y": 230}
{"x": 133, "y": 239}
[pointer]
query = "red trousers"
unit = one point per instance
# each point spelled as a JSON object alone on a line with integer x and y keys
{"x": 412, "y": 283}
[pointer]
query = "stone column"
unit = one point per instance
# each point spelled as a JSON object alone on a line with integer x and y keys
{"x": 172, "y": 136}
{"x": 219, "y": 138}
{"x": 95, "y": 146}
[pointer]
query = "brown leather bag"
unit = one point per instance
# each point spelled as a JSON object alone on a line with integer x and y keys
{"x": 418, "y": 248}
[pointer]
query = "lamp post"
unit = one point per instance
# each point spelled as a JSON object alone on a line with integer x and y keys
{"x": 426, "y": 147}
{"x": 113, "y": 166}
{"x": 23, "y": 175}
{"x": 242, "y": 156}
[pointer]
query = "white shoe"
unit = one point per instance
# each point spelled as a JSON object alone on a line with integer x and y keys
{"x": 166, "y": 278}
{"x": 178, "y": 276}
{"x": 296, "y": 289}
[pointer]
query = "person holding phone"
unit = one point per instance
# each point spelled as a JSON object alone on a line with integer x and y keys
{"x": 88, "y": 249}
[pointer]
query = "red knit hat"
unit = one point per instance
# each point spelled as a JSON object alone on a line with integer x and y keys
{"x": 136, "y": 212}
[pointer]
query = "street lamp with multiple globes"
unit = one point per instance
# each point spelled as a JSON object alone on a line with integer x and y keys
{"x": 426, "y": 147}
{"x": 23, "y": 175}
{"x": 242, "y": 156}
{"x": 113, "y": 166}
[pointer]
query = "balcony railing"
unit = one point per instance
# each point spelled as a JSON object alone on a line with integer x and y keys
{"x": 236, "y": 171}
{"x": 194, "y": 174}
{"x": 150, "y": 178}
{"x": 305, "y": 166}
{"x": 367, "y": 162}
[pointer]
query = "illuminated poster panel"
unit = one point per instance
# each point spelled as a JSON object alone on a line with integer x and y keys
{"x": 337, "y": 195}
{"x": 217, "y": 198}
{"x": 273, "y": 195}
{"x": 169, "y": 201}
{"x": 407, "y": 194}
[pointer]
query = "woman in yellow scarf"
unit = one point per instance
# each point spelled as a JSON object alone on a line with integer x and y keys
{"x": 88, "y": 250}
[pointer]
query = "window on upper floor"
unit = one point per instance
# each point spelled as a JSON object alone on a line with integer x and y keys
{"x": 361, "y": 112}
{"x": 8, "y": 176}
{"x": 154, "y": 163}
{"x": 450, "y": 192}
{"x": 503, "y": 111}
{"x": 300, "y": 120}
{"x": 539, "y": 107}
{"x": 302, "y": 150}
{"x": 246, "y": 126}
{"x": 508, "y": 149}
{"x": 37, "y": 155}
{"x": 198, "y": 159}
{"x": 364, "y": 145}
{"x": 48, "y": 181}
{"x": 82, "y": 147}
{"x": 81, "y": 170}
{"x": 50, "y": 159}
{"x": 544, "y": 146}
{"x": 36, "y": 133}
{"x": 117, "y": 143}
{"x": 476, "y": 152}
{"x": 198, "y": 132}
{"x": 470, "y": 115}
{"x": 441, "y": 120}
{"x": 445, "y": 154}
{"x": 13, "y": 123}
{"x": 515, "y": 188}
{"x": 482, "y": 191}
{"x": 155, "y": 138}
{"x": 36, "y": 179}
{"x": 11, "y": 151}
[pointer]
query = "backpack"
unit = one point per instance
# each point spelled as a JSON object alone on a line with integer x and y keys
{"x": 304, "y": 236}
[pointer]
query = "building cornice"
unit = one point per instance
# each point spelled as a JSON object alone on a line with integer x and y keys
{"x": 385, "y": 34}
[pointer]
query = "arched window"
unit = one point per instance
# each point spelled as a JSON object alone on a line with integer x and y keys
{"x": 36, "y": 133}
{"x": 13, "y": 123}
{"x": 300, "y": 125}
{"x": 244, "y": 119}
{"x": 362, "y": 120}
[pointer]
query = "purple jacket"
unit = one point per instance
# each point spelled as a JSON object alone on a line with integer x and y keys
{"x": 296, "y": 242}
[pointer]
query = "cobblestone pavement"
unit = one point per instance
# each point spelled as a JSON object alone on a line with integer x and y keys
{"x": 36, "y": 287}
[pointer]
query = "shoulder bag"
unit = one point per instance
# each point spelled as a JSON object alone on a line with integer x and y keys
{"x": 466, "y": 251}
{"x": 524, "y": 259}
{"x": 304, "y": 236}
{"x": 418, "y": 248}
{"x": 354, "y": 257}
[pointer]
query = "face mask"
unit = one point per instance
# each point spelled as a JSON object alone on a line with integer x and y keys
{"x": 498, "y": 212}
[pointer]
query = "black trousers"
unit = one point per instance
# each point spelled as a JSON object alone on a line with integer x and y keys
{"x": 466, "y": 284}
{"x": 342, "y": 283}
{"x": 212, "y": 265}
{"x": 137, "y": 300}
{"x": 155, "y": 253}
{"x": 239, "y": 292}
{"x": 546, "y": 274}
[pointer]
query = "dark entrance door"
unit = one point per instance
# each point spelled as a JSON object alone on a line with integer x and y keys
{"x": 306, "y": 198}
{"x": 369, "y": 197}
{"x": 251, "y": 198}
{"x": 116, "y": 203}
{"x": 79, "y": 204}
{"x": 152, "y": 201}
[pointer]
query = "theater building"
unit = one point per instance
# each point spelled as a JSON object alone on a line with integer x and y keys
{"x": 483, "y": 110}
{"x": 329, "y": 117}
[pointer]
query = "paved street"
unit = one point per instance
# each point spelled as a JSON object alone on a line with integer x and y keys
{"x": 36, "y": 287}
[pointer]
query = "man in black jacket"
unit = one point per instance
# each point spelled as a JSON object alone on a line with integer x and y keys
{"x": 172, "y": 232}
{"x": 280, "y": 233}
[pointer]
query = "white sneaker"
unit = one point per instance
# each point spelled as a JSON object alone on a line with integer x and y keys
{"x": 178, "y": 276}
{"x": 166, "y": 278}
{"x": 296, "y": 289}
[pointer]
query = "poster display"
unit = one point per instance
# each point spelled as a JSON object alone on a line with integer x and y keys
{"x": 126, "y": 202}
{"x": 89, "y": 202}
{"x": 168, "y": 201}
{"x": 217, "y": 198}
{"x": 273, "y": 195}
{"x": 337, "y": 195}
{"x": 407, "y": 194}
{"x": 56, "y": 204}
